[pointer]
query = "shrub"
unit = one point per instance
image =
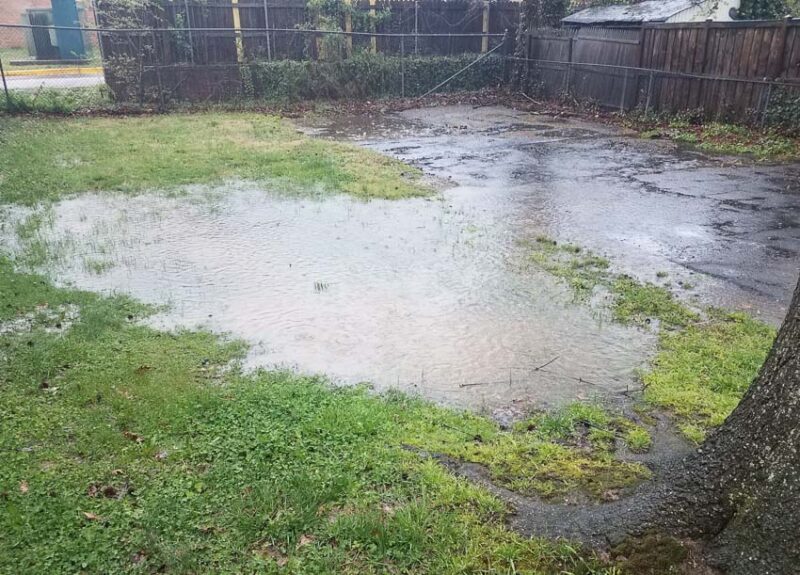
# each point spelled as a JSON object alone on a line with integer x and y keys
{"x": 368, "y": 76}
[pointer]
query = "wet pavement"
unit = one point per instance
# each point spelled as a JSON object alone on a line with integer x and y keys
{"x": 729, "y": 227}
{"x": 427, "y": 295}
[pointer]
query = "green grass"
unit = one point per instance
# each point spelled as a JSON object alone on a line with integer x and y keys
{"x": 56, "y": 101}
{"x": 47, "y": 159}
{"x": 705, "y": 361}
{"x": 701, "y": 372}
{"x": 551, "y": 454}
{"x": 128, "y": 450}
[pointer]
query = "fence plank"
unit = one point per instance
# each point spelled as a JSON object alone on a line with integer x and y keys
{"x": 693, "y": 64}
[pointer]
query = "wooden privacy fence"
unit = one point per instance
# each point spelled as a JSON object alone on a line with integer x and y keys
{"x": 726, "y": 69}
{"x": 237, "y": 30}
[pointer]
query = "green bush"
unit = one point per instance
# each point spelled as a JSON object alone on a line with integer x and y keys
{"x": 783, "y": 112}
{"x": 368, "y": 76}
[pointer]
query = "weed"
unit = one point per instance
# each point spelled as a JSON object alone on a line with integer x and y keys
{"x": 638, "y": 440}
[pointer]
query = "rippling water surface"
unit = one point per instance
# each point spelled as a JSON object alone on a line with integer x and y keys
{"x": 425, "y": 294}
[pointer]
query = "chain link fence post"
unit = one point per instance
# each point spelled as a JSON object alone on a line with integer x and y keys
{"x": 402, "y": 66}
{"x": 766, "y": 106}
{"x": 5, "y": 86}
{"x": 156, "y": 64}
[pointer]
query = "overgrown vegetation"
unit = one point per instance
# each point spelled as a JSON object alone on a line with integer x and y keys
{"x": 705, "y": 360}
{"x": 773, "y": 143}
{"x": 55, "y": 101}
{"x": 783, "y": 113}
{"x": 138, "y": 153}
{"x": 368, "y": 76}
{"x": 125, "y": 449}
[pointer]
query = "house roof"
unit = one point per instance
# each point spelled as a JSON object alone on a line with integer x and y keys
{"x": 649, "y": 11}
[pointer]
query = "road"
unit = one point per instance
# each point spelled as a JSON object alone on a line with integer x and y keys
{"x": 61, "y": 81}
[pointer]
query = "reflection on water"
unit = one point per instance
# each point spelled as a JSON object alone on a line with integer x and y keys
{"x": 420, "y": 294}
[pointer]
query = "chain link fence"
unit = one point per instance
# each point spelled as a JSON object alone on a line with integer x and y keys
{"x": 151, "y": 66}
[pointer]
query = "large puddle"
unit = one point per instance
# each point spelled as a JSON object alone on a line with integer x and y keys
{"x": 425, "y": 295}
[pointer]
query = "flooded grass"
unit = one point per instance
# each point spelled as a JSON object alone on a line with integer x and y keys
{"x": 633, "y": 302}
{"x": 126, "y": 449}
{"x": 704, "y": 362}
{"x": 47, "y": 159}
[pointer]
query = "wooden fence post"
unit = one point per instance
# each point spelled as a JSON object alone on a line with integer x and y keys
{"x": 266, "y": 27}
{"x": 485, "y": 37}
{"x": 777, "y": 68}
{"x": 568, "y": 73}
{"x": 416, "y": 26}
{"x": 373, "y": 40}
{"x": 237, "y": 30}
{"x": 640, "y": 64}
{"x": 348, "y": 27}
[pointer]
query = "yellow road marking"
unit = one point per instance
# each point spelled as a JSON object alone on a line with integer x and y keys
{"x": 55, "y": 72}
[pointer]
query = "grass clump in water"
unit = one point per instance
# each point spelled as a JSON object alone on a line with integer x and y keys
{"x": 584, "y": 271}
{"x": 47, "y": 159}
{"x": 703, "y": 365}
{"x": 126, "y": 449}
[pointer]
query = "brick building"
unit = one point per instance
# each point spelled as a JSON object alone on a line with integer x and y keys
{"x": 11, "y": 12}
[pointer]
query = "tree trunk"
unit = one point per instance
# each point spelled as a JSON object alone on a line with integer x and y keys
{"x": 740, "y": 491}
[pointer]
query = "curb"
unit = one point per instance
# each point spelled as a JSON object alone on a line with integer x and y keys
{"x": 55, "y": 72}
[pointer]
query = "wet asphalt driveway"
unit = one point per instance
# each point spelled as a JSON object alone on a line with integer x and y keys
{"x": 727, "y": 227}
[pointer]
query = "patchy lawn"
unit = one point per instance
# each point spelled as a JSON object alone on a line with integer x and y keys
{"x": 47, "y": 159}
{"x": 706, "y": 359}
{"x": 126, "y": 449}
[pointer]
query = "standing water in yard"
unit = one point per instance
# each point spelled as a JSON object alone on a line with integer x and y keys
{"x": 422, "y": 295}
{"x": 434, "y": 295}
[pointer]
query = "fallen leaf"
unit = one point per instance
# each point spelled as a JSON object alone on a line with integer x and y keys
{"x": 610, "y": 495}
{"x": 133, "y": 436}
{"x": 23, "y": 487}
{"x": 91, "y": 516}
{"x": 269, "y": 551}
{"x": 305, "y": 540}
